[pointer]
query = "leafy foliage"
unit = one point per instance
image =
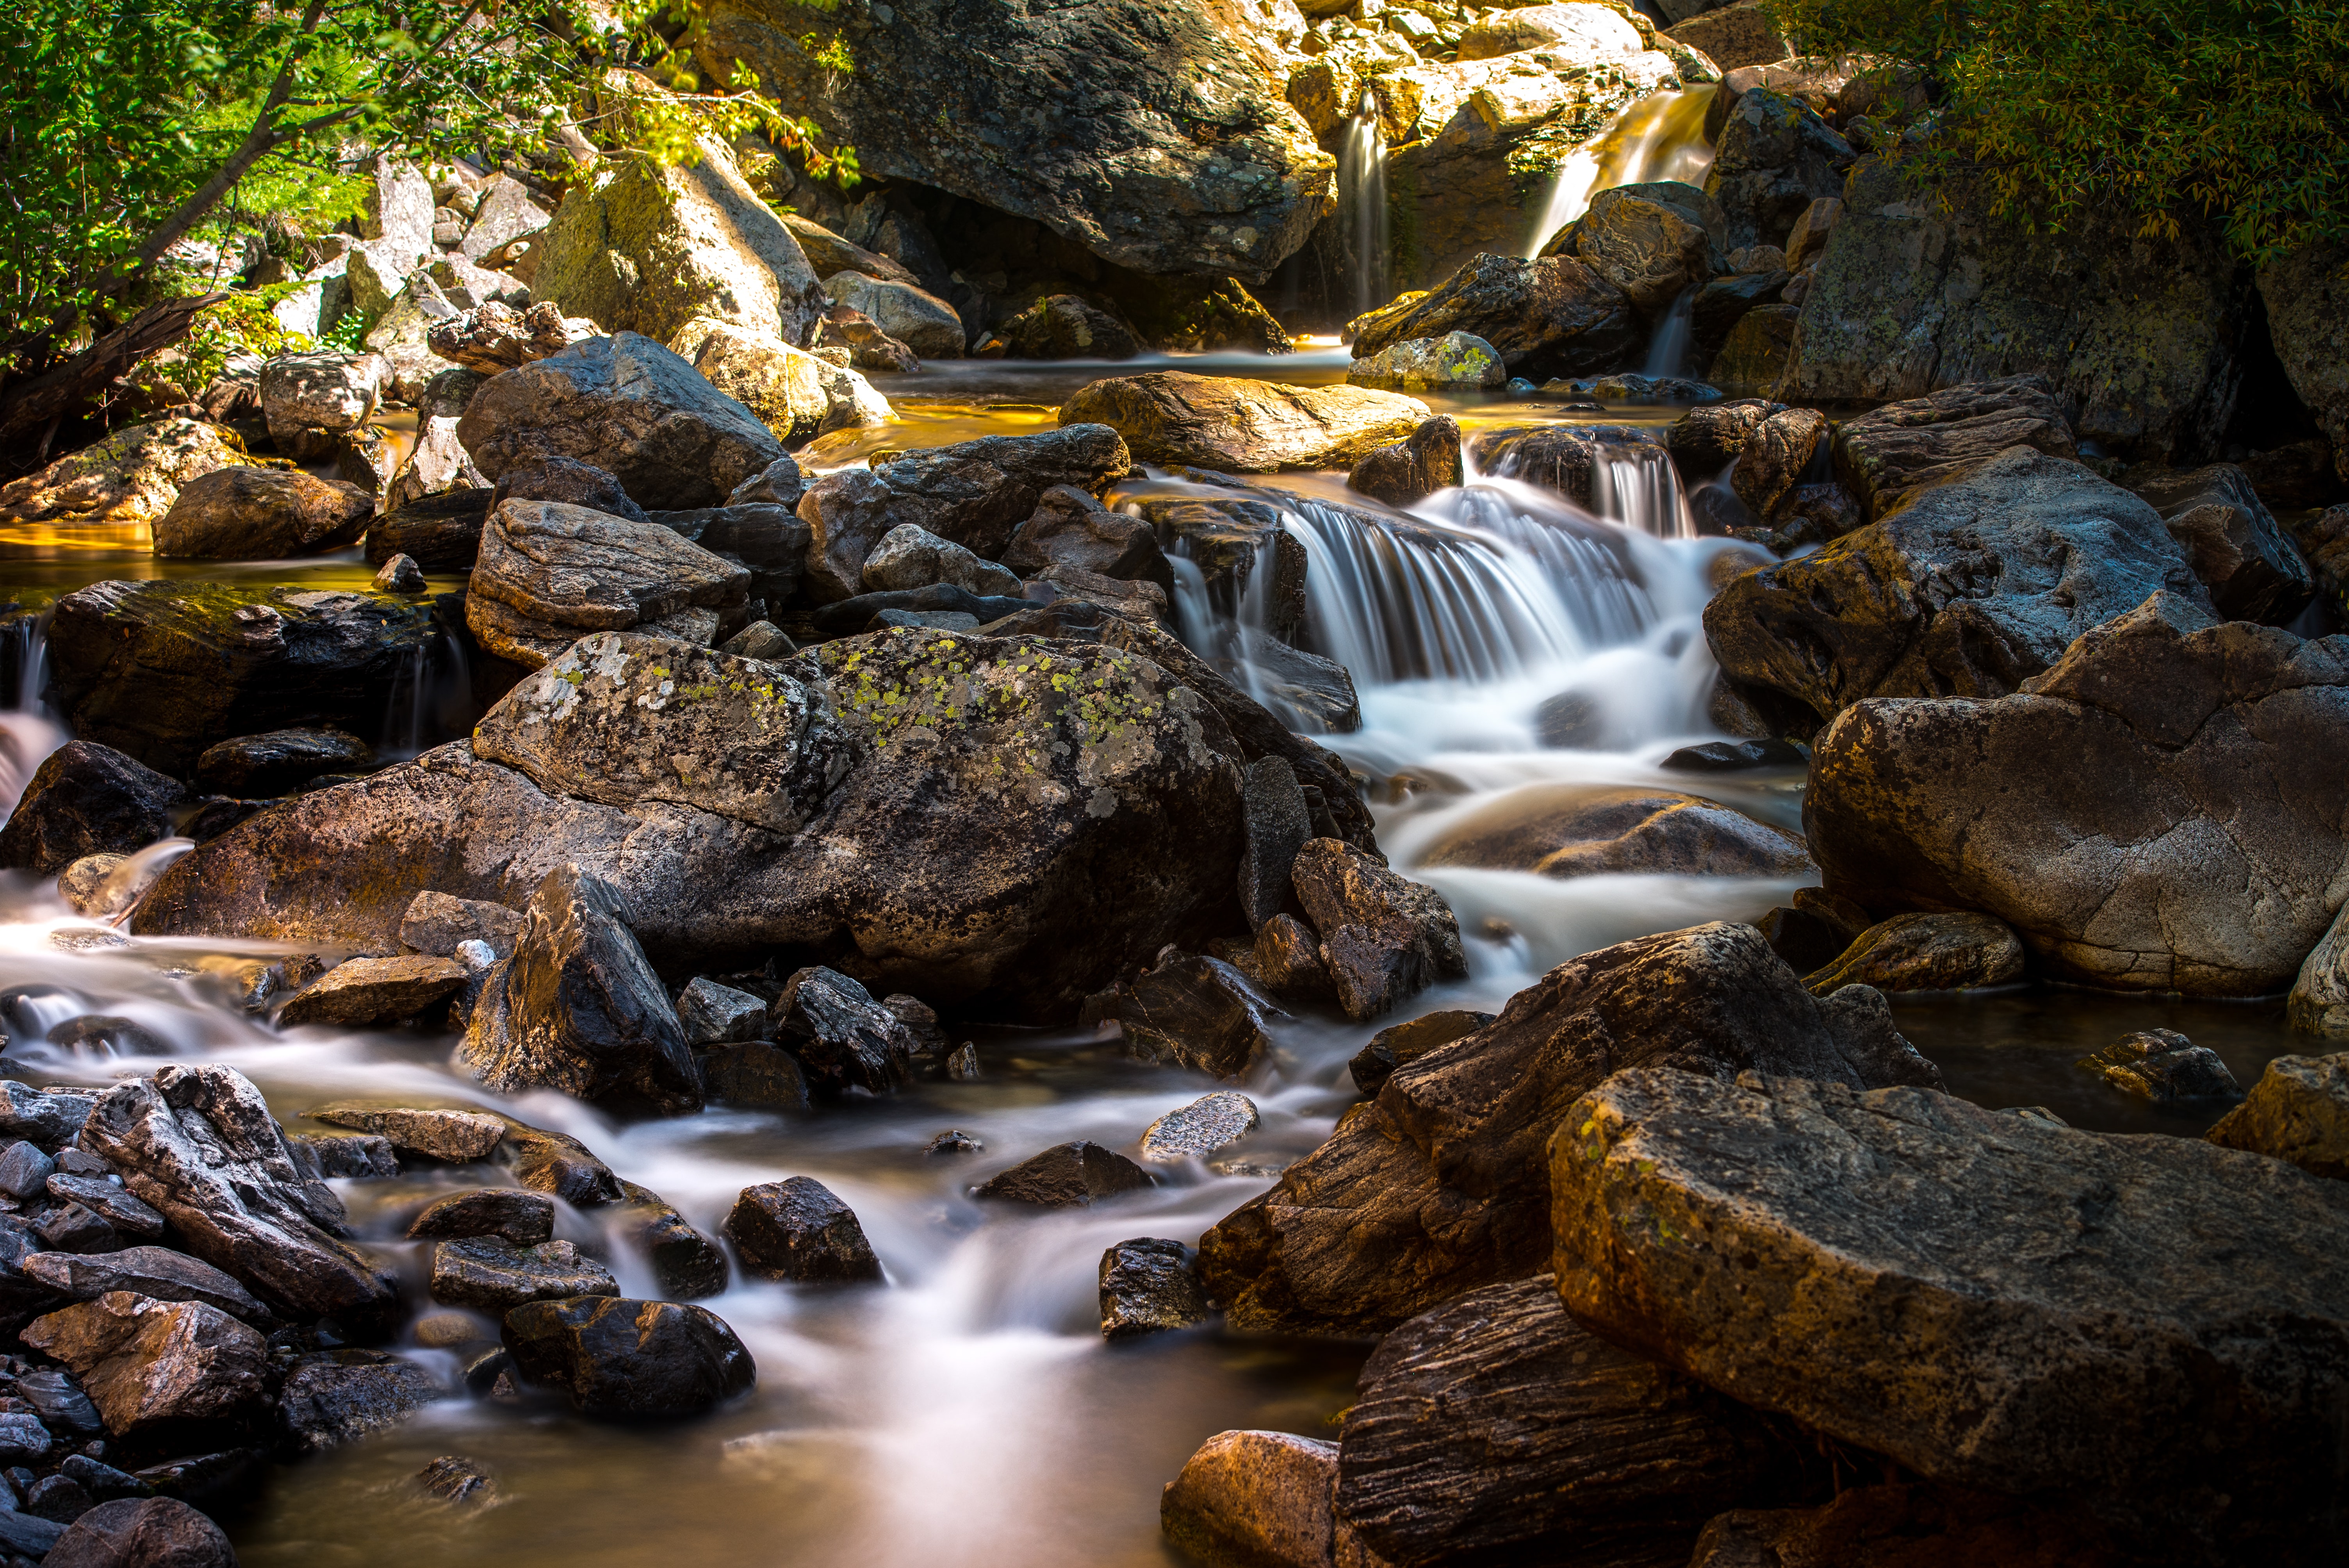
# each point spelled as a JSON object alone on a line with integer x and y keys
{"x": 2172, "y": 108}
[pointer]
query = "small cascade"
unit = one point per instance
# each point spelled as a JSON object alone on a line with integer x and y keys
{"x": 1661, "y": 137}
{"x": 431, "y": 700}
{"x": 1667, "y": 348}
{"x": 1637, "y": 487}
{"x": 1362, "y": 201}
{"x": 29, "y": 732}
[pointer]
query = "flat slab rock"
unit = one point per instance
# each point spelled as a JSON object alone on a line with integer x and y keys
{"x": 458, "y": 1137}
{"x": 493, "y": 1273}
{"x": 1241, "y": 425}
{"x": 362, "y": 991}
{"x": 2155, "y": 1327}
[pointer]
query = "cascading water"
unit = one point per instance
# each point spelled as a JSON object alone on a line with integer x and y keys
{"x": 1661, "y": 137}
{"x": 29, "y": 732}
{"x": 1362, "y": 199}
{"x": 1667, "y": 348}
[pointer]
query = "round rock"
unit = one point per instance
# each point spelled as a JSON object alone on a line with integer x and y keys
{"x": 521, "y": 1216}
{"x": 620, "y": 1358}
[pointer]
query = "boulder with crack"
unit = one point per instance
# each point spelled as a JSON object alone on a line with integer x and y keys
{"x": 550, "y": 572}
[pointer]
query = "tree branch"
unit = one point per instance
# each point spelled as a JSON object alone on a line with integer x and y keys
{"x": 61, "y": 390}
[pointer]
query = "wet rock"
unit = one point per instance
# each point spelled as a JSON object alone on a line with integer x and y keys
{"x": 954, "y": 1140}
{"x": 2197, "y": 862}
{"x": 550, "y": 572}
{"x": 685, "y": 1263}
{"x": 1771, "y": 464}
{"x": 1253, "y": 1497}
{"x": 1496, "y": 1428}
{"x": 323, "y": 1155}
{"x": 132, "y": 476}
{"x": 245, "y": 514}
{"x": 458, "y": 1137}
{"x": 335, "y": 1397}
{"x": 436, "y": 923}
{"x": 86, "y": 800}
{"x": 1202, "y": 1127}
{"x": 2013, "y": 1247}
{"x": 1654, "y": 241}
{"x": 361, "y": 992}
{"x": 797, "y": 1230}
{"x": 568, "y": 480}
{"x": 212, "y": 1481}
{"x": 1898, "y": 1525}
{"x": 1733, "y": 757}
{"x": 1774, "y": 158}
{"x": 1411, "y": 471}
{"x": 438, "y": 532}
{"x": 1563, "y": 458}
{"x": 962, "y": 1063}
{"x": 156, "y": 1366}
{"x": 2252, "y": 569}
{"x": 1065, "y": 326}
{"x": 2299, "y": 1111}
{"x": 29, "y": 1536}
{"x": 1889, "y": 454}
{"x": 47, "y": 1119}
{"x": 1197, "y": 1013}
{"x": 921, "y": 1020}
{"x": 452, "y": 1478}
{"x": 1340, "y": 1245}
{"x": 1455, "y": 359}
{"x": 1146, "y": 1287}
{"x": 1070, "y": 528}
{"x": 84, "y": 885}
{"x": 554, "y": 1163}
{"x": 24, "y": 1171}
{"x": 103, "y": 1481}
{"x": 141, "y": 1532}
{"x": 1926, "y": 953}
{"x": 711, "y": 1014}
{"x": 257, "y": 765}
{"x": 110, "y": 1201}
{"x": 841, "y": 1037}
{"x": 621, "y": 1359}
{"x": 71, "y": 1228}
{"x": 23, "y": 1440}
{"x": 198, "y": 1145}
{"x": 1068, "y": 1175}
{"x": 1241, "y": 425}
{"x": 515, "y": 1214}
{"x": 492, "y": 1274}
{"x": 754, "y": 1073}
{"x": 1549, "y": 315}
{"x": 1278, "y": 827}
{"x": 2059, "y": 551}
{"x": 911, "y": 556}
{"x": 1405, "y": 1043}
{"x": 2163, "y": 1065}
{"x": 1384, "y": 938}
{"x": 1571, "y": 830}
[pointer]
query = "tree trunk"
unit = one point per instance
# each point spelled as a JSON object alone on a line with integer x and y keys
{"x": 78, "y": 381}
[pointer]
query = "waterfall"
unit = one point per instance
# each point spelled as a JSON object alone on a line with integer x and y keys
{"x": 29, "y": 732}
{"x": 1638, "y": 486}
{"x": 1363, "y": 203}
{"x": 1667, "y": 349}
{"x": 1661, "y": 137}
{"x": 430, "y": 700}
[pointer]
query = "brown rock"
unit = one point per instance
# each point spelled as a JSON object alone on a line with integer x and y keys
{"x": 1551, "y": 316}
{"x": 1571, "y": 830}
{"x": 1199, "y": 1014}
{"x": 458, "y": 1137}
{"x": 1069, "y": 1175}
{"x": 1906, "y": 1526}
{"x": 1926, "y": 953}
{"x": 1242, "y": 425}
{"x": 1384, "y": 938}
{"x": 494, "y": 336}
{"x": 520, "y": 1216}
{"x": 549, "y": 573}
{"x": 1287, "y": 960}
{"x": 797, "y": 1230}
{"x": 247, "y": 514}
{"x": 363, "y": 991}
{"x": 1392, "y": 1048}
{"x": 1413, "y": 468}
{"x": 1258, "y": 1499}
{"x": 149, "y": 1364}
{"x": 1773, "y": 458}
{"x": 1070, "y": 528}
{"x": 1889, "y": 454}
{"x": 142, "y": 1533}
{"x": 2298, "y": 1111}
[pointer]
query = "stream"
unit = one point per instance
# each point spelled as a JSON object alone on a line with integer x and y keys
{"x": 969, "y": 1412}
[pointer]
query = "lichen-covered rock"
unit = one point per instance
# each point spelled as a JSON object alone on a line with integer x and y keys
{"x": 86, "y": 799}
{"x": 2298, "y": 1111}
{"x": 1455, "y": 359}
{"x": 133, "y": 476}
{"x": 247, "y": 514}
{"x": 798, "y": 1230}
{"x": 151, "y": 1364}
{"x": 1242, "y": 425}
{"x": 550, "y": 572}
{"x": 1206, "y": 1124}
{"x": 1550, "y": 315}
{"x": 1926, "y": 953}
{"x": 621, "y": 1359}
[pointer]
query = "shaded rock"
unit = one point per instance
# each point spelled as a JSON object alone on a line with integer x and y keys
{"x": 549, "y": 573}
{"x": 1889, "y": 454}
{"x": 438, "y": 532}
{"x": 620, "y": 1359}
{"x": 1278, "y": 827}
{"x": 1404, "y": 1043}
{"x": 1411, "y": 471}
{"x": 335, "y": 1397}
{"x": 1926, "y": 953}
{"x": 954, "y": 1140}
{"x": 103, "y": 1481}
{"x": 2298, "y": 1111}
{"x": 1343, "y": 1245}
{"x": 754, "y": 1072}
{"x": 1455, "y": 359}
{"x": 132, "y": 476}
{"x": 258, "y": 766}
{"x": 1654, "y": 241}
{"x": 1904, "y": 1526}
{"x": 363, "y": 991}
{"x": 1256, "y": 1498}
{"x": 1771, "y": 464}
{"x": 2199, "y": 860}
{"x": 578, "y": 1007}
{"x": 152, "y": 1366}
{"x": 58, "y": 1498}
{"x": 457, "y": 1137}
{"x": 214, "y": 1481}
{"x": 515, "y": 1215}
{"x": 1753, "y": 359}
{"x": 24, "y": 1171}
{"x": 1068, "y": 1175}
{"x": 492, "y": 1274}
{"x": 436, "y": 923}
{"x": 2163, "y": 1065}
{"x": 109, "y": 1202}
{"x": 841, "y": 1037}
{"x": 161, "y": 1532}
{"x": 1202, "y": 1127}
{"x": 323, "y": 1155}
{"x": 829, "y": 253}
{"x": 1287, "y": 960}
{"x": 1549, "y": 315}
{"x": 1242, "y": 425}
{"x": 1774, "y": 158}
{"x": 2303, "y": 291}
{"x": 198, "y": 1145}
{"x": 1068, "y": 528}
{"x": 1733, "y": 757}
{"x": 47, "y": 1119}
{"x": 86, "y": 800}
{"x": 711, "y": 1014}
{"x": 906, "y": 311}
{"x": 2252, "y": 569}
{"x": 685, "y": 1263}
{"x": 2048, "y": 1282}
{"x": 1385, "y": 937}
{"x": 911, "y": 556}
{"x": 760, "y": 640}
{"x": 1197, "y": 1013}
{"x": 1572, "y": 829}
{"x": 555, "y": 1162}
{"x": 71, "y": 1228}
{"x": 1733, "y": 35}
{"x": 1564, "y": 459}
{"x": 1065, "y": 326}
{"x": 245, "y": 514}
{"x": 568, "y": 480}
{"x": 1146, "y": 1287}
{"x": 23, "y": 1440}
{"x": 797, "y": 1230}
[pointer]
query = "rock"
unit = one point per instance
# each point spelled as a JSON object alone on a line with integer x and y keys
{"x": 1889, "y": 455}
{"x": 323, "y": 391}
{"x": 438, "y": 532}
{"x": 2163, "y": 1065}
{"x": 1551, "y": 316}
{"x": 1410, "y": 470}
{"x": 1891, "y": 1526}
{"x": 1733, "y": 757}
{"x": 1255, "y": 1498}
{"x": 1068, "y": 1175}
{"x": 711, "y": 1014}
{"x": 2014, "y": 1247}
{"x": 2237, "y": 551}
{"x": 2048, "y": 549}
{"x": 1496, "y": 1428}
{"x": 151, "y": 1365}
{"x": 1752, "y": 359}
{"x": 2303, "y": 290}
{"x": 1070, "y": 528}
{"x": 761, "y": 640}
{"x": 1243, "y": 425}
{"x": 554, "y": 1163}
{"x": 1200, "y": 1128}
{"x": 1384, "y": 937}
{"x": 1146, "y": 1287}
{"x": 2298, "y": 1111}
{"x": 336, "y": 1396}
{"x": 436, "y": 923}
{"x": 1774, "y": 158}
{"x": 2199, "y": 862}
{"x": 494, "y": 336}
{"x": 457, "y": 1137}
{"x": 1340, "y": 1245}
{"x": 109, "y": 1202}
{"x": 494, "y": 1274}
{"x": 258, "y": 766}
{"x": 1197, "y": 1013}
{"x": 47, "y": 1119}
{"x": 764, "y": 538}
{"x": 23, "y": 1440}
{"x": 217, "y": 1479}
{"x": 568, "y": 480}
{"x": 785, "y": 387}
{"x": 1653, "y": 242}
{"x": 86, "y": 799}
{"x": 754, "y": 1073}
{"x": 797, "y": 1230}
{"x": 1771, "y": 463}
{"x": 452, "y": 1478}
{"x": 1065, "y": 326}
{"x": 401, "y": 574}
{"x": 24, "y": 1171}
{"x": 198, "y": 1145}
{"x": 1926, "y": 953}
{"x": 911, "y": 556}
{"x": 577, "y": 1008}
{"x": 360, "y": 992}
{"x": 1404, "y": 1043}
{"x": 1573, "y": 829}
{"x": 1564, "y": 459}
{"x": 133, "y": 476}
{"x": 621, "y": 1359}
{"x": 1277, "y": 826}
{"x": 829, "y": 253}
{"x": 1733, "y": 35}
{"x": 506, "y": 213}
{"x": 1508, "y": 32}
{"x": 517, "y": 1215}
{"x": 1455, "y": 359}
{"x": 71, "y": 1228}
{"x": 685, "y": 1263}
{"x": 921, "y": 321}
{"x": 325, "y": 1155}
{"x": 550, "y": 573}
{"x": 242, "y": 514}
{"x": 160, "y": 1531}
{"x": 841, "y": 1037}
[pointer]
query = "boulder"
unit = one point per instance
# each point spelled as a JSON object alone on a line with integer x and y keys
{"x": 2164, "y": 1067}
{"x": 1070, "y": 528}
{"x": 797, "y": 1230}
{"x": 685, "y": 1264}
{"x": 2050, "y": 1283}
{"x": 438, "y": 532}
{"x": 317, "y": 392}
{"x": 911, "y": 556}
{"x": 86, "y": 799}
{"x": 786, "y": 387}
{"x": 549, "y": 573}
{"x": 1068, "y": 1175}
{"x": 754, "y": 1073}
{"x": 1535, "y": 26}
{"x": 763, "y": 537}
{"x": 1455, "y": 359}
{"x": 711, "y": 1014}
{"x": 578, "y": 1008}
{"x": 254, "y": 766}
{"x": 1498, "y": 1428}
{"x": 621, "y": 1359}
{"x": 494, "y": 336}
{"x": 1752, "y": 359}
{"x": 1278, "y": 824}
{"x": 1737, "y": 35}
{"x": 829, "y": 253}
{"x": 1926, "y": 953}
{"x": 163, "y": 669}
{"x": 1968, "y": 592}
{"x": 906, "y": 311}
{"x": 1895, "y": 1526}
{"x": 1768, "y": 473}
{"x": 515, "y": 1214}
{"x": 359, "y": 992}
{"x": 198, "y": 1145}
{"x": 1653, "y": 242}
{"x": 456, "y": 1137}
{"x": 1261, "y": 1499}
{"x": 1548, "y": 316}
{"x": 1398, "y": 1044}
{"x": 133, "y": 476}
{"x": 568, "y": 480}
{"x": 1243, "y": 425}
{"x": 1197, "y": 1013}
{"x": 1574, "y": 830}
{"x": 2298, "y": 1111}
{"x": 652, "y": 244}
{"x": 152, "y": 1365}
{"x": 245, "y": 514}
{"x": 334, "y": 1397}
{"x": 436, "y": 923}
{"x": 494, "y": 1274}
{"x": 109, "y": 1202}
{"x": 555, "y": 1162}
{"x": 627, "y": 404}
{"x": 1208, "y": 1123}
{"x": 1146, "y": 1287}
{"x": 2159, "y": 811}
{"x": 1343, "y": 1243}
{"x": 2304, "y": 291}
{"x": 156, "y": 1274}
{"x": 136, "y": 1532}
{"x": 1888, "y": 455}
{"x": 2252, "y": 569}
{"x": 1562, "y": 459}
{"x": 1772, "y": 158}
{"x": 1065, "y": 326}
{"x": 1286, "y": 961}
{"x": 1385, "y": 937}
{"x": 1410, "y": 470}
{"x": 843, "y": 1038}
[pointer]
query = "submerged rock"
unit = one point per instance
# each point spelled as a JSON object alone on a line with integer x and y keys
{"x": 797, "y": 1230}
{"x": 1571, "y": 830}
{"x": 621, "y": 1359}
{"x": 2299, "y": 1111}
{"x": 1926, "y": 953}
{"x": 86, "y": 799}
{"x": 149, "y": 1364}
{"x": 1241, "y": 425}
{"x": 1069, "y": 1175}
{"x": 2163, "y": 1065}
{"x": 1146, "y": 1287}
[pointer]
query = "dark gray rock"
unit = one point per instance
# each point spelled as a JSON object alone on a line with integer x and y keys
{"x": 711, "y": 1014}
{"x": 517, "y": 1214}
{"x": 24, "y": 1171}
{"x": 1385, "y": 937}
{"x": 157, "y": 1273}
{"x": 58, "y": 1498}
{"x": 34, "y": 1538}
{"x": 754, "y": 1073}
{"x": 1197, "y": 1013}
{"x": 494, "y": 1274}
{"x": 1147, "y": 1287}
{"x": 71, "y": 1228}
{"x": 45, "y": 1118}
{"x": 2242, "y": 555}
{"x": 1733, "y": 756}
{"x": 841, "y": 1037}
{"x": 1278, "y": 827}
{"x": 154, "y": 1533}
{"x": 86, "y": 799}
{"x": 335, "y": 1397}
{"x": 323, "y": 1155}
{"x": 569, "y": 481}
{"x": 1068, "y": 1175}
{"x": 797, "y": 1230}
{"x": 685, "y": 1263}
{"x": 277, "y": 763}
{"x": 620, "y": 1359}
{"x": 60, "y": 1403}
{"x": 2163, "y": 1065}
{"x": 102, "y": 1480}
{"x": 1549, "y": 315}
{"x": 1774, "y": 158}
{"x": 1068, "y": 528}
{"x": 438, "y": 532}
{"x": 24, "y": 1439}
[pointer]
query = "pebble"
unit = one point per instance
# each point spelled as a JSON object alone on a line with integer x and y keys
{"x": 954, "y": 1140}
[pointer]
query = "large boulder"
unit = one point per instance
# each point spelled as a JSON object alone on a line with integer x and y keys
{"x": 1969, "y": 590}
{"x": 149, "y": 1364}
{"x": 1992, "y": 1300}
{"x": 1654, "y": 241}
{"x": 133, "y": 476}
{"x": 913, "y": 316}
{"x": 2242, "y": 555}
{"x": 247, "y": 514}
{"x": 1888, "y": 455}
{"x": 785, "y": 387}
{"x": 86, "y": 799}
{"x": 1070, "y": 528}
{"x": 941, "y": 860}
{"x": 2306, "y": 293}
{"x": 1774, "y": 157}
{"x": 627, "y": 404}
{"x": 1243, "y": 425}
{"x": 1437, "y": 1187}
{"x": 2159, "y": 811}
{"x": 163, "y": 669}
{"x": 1550, "y": 315}
{"x": 133, "y": 1533}
{"x": 621, "y": 1359}
{"x": 650, "y": 245}
{"x": 1151, "y": 132}
{"x": 549, "y": 573}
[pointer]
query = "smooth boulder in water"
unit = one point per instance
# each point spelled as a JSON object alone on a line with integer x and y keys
{"x": 1251, "y": 1497}
{"x": 517, "y": 1215}
{"x": 1241, "y": 425}
{"x": 86, "y": 799}
{"x": 261, "y": 514}
{"x": 495, "y": 1275}
{"x": 2298, "y": 1111}
{"x": 1926, "y": 953}
{"x": 1571, "y": 831}
{"x": 619, "y": 1359}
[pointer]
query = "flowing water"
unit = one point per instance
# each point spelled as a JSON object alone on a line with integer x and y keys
{"x": 1661, "y": 137}
{"x": 1363, "y": 197}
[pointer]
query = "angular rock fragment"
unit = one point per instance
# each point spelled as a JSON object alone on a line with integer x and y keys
{"x": 151, "y": 1364}
{"x": 458, "y": 1137}
{"x": 1402, "y": 1043}
{"x": 335, "y": 1397}
{"x": 492, "y": 1274}
{"x": 436, "y": 923}
{"x": 620, "y": 1359}
{"x": 1147, "y": 1287}
{"x": 549, "y": 573}
{"x": 156, "y": 1274}
{"x": 797, "y": 1230}
{"x": 1891, "y": 454}
{"x": 2298, "y": 1111}
{"x": 1385, "y": 937}
{"x": 363, "y": 991}
{"x": 515, "y": 1214}
{"x": 110, "y": 1201}
{"x": 1197, "y": 1013}
{"x": 711, "y": 1014}
{"x": 685, "y": 1263}
{"x": 2163, "y": 1065}
{"x": 1068, "y": 1175}
{"x": 841, "y": 1037}
{"x": 129, "y": 1532}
